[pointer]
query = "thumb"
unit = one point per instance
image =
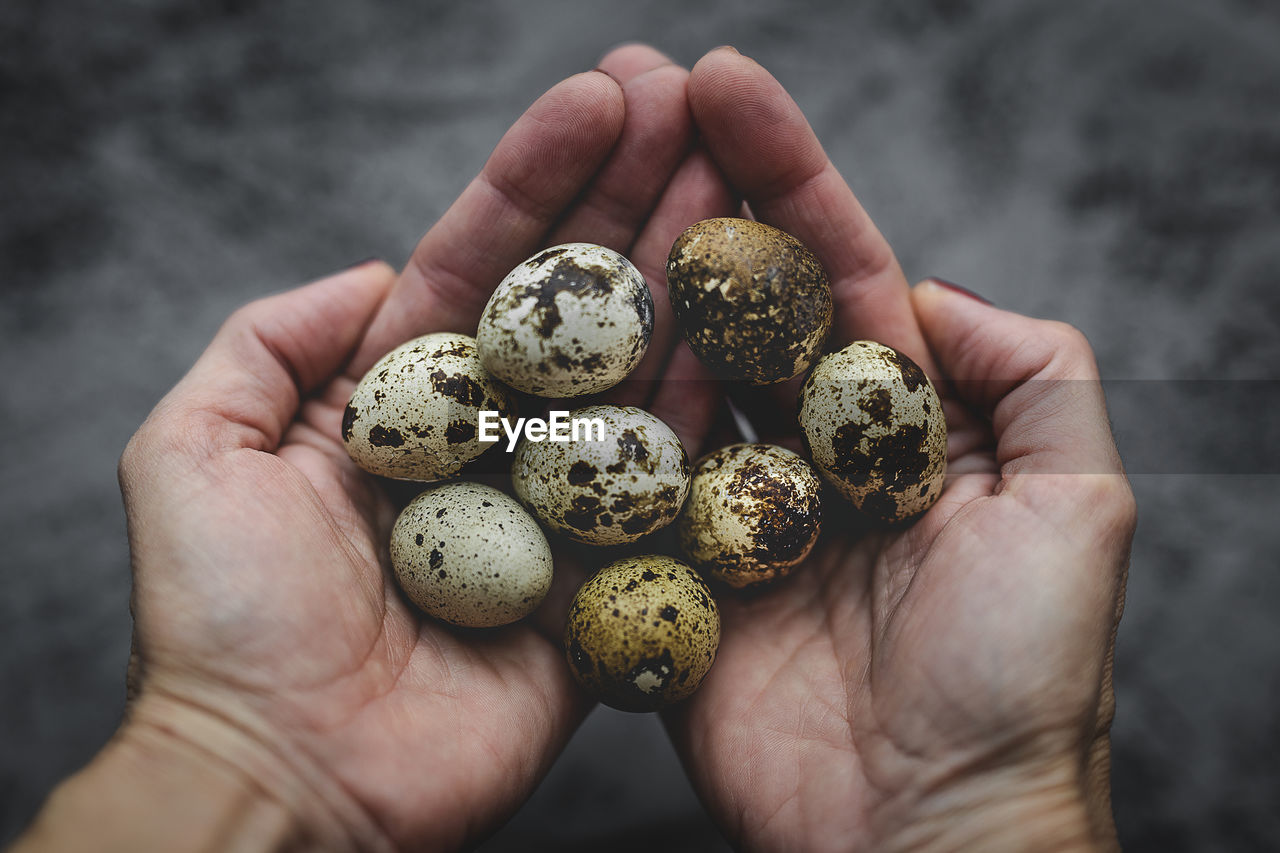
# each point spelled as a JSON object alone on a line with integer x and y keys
{"x": 247, "y": 386}
{"x": 1037, "y": 382}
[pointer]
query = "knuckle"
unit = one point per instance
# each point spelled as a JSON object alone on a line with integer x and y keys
{"x": 249, "y": 316}
{"x": 1113, "y": 501}
{"x": 1067, "y": 352}
{"x": 127, "y": 465}
{"x": 1067, "y": 338}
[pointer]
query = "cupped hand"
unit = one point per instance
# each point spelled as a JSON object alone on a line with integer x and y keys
{"x": 268, "y": 631}
{"x": 947, "y": 684}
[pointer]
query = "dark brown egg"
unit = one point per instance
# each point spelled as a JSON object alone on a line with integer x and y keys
{"x": 753, "y": 302}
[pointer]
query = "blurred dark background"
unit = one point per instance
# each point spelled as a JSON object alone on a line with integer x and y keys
{"x": 1113, "y": 165}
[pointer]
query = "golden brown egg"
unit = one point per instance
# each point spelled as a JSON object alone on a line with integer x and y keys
{"x": 642, "y": 633}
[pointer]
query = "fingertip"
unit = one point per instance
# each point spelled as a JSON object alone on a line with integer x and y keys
{"x": 371, "y": 269}
{"x": 944, "y": 284}
{"x": 725, "y": 66}
{"x": 596, "y": 89}
{"x": 717, "y": 56}
{"x": 753, "y": 128}
{"x": 931, "y": 294}
{"x": 356, "y": 290}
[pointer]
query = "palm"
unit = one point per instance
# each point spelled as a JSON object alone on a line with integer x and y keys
{"x": 308, "y": 631}
{"x": 275, "y": 558}
{"x": 890, "y": 656}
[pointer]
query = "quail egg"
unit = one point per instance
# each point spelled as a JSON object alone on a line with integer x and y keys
{"x": 753, "y": 513}
{"x": 625, "y": 476}
{"x": 414, "y": 415}
{"x": 642, "y": 632}
{"x": 572, "y": 320}
{"x": 753, "y": 302}
{"x": 876, "y": 429}
{"x": 470, "y": 555}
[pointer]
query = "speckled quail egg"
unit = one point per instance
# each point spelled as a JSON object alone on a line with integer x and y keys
{"x": 752, "y": 515}
{"x": 642, "y": 632}
{"x": 753, "y": 302}
{"x": 613, "y": 485}
{"x": 572, "y": 320}
{"x": 414, "y": 415}
{"x": 876, "y": 429}
{"x": 468, "y": 554}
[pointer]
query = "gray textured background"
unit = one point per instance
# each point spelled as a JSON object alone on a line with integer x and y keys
{"x": 1113, "y": 165}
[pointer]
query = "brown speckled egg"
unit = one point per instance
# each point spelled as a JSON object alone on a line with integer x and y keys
{"x": 468, "y": 554}
{"x": 610, "y": 486}
{"x": 876, "y": 429}
{"x": 642, "y": 633}
{"x": 572, "y": 320}
{"x": 753, "y": 513}
{"x": 753, "y": 302}
{"x": 415, "y": 414}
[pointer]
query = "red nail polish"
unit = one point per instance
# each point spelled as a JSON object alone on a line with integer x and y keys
{"x": 951, "y": 285}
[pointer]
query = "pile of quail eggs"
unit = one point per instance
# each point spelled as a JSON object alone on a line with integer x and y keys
{"x": 754, "y": 305}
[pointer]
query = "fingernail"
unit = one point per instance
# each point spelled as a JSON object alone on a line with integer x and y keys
{"x": 607, "y": 74}
{"x": 370, "y": 260}
{"x": 951, "y": 285}
{"x": 729, "y": 48}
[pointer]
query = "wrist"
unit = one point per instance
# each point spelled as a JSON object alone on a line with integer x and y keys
{"x": 180, "y": 778}
{"x": 151, "y": 790}
{"x": 1024, "y": 807}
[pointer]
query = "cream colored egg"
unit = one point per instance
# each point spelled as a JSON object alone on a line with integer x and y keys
{"x": 614, "y": 484}
{"x": 572, "y": 320}
{"x": 415, "y": 414}
{"x": 876, "y": 430}
{"x": 470, "y": 555}
{"x": 753, "y": 513}
{"x": 642, "y": 633}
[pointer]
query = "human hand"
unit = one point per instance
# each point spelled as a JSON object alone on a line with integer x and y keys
{"x": 947, "y": 685}
{"x": 272, "y": 651}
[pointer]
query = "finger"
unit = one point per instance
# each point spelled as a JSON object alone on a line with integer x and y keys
{"x": 630, "y": 60}
{"x": 655, "y": 136}
{"x": 1038, "y": 382}
{"x": 247, "y": 386}
{"x": 688, "y": 400}
{"x": 696, "y": 192}
{"x": 769, "y": 154}
{"x": 542, "y": 163}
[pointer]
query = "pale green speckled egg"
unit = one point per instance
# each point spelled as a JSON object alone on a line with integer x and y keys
{"x": 470, "y": 555}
